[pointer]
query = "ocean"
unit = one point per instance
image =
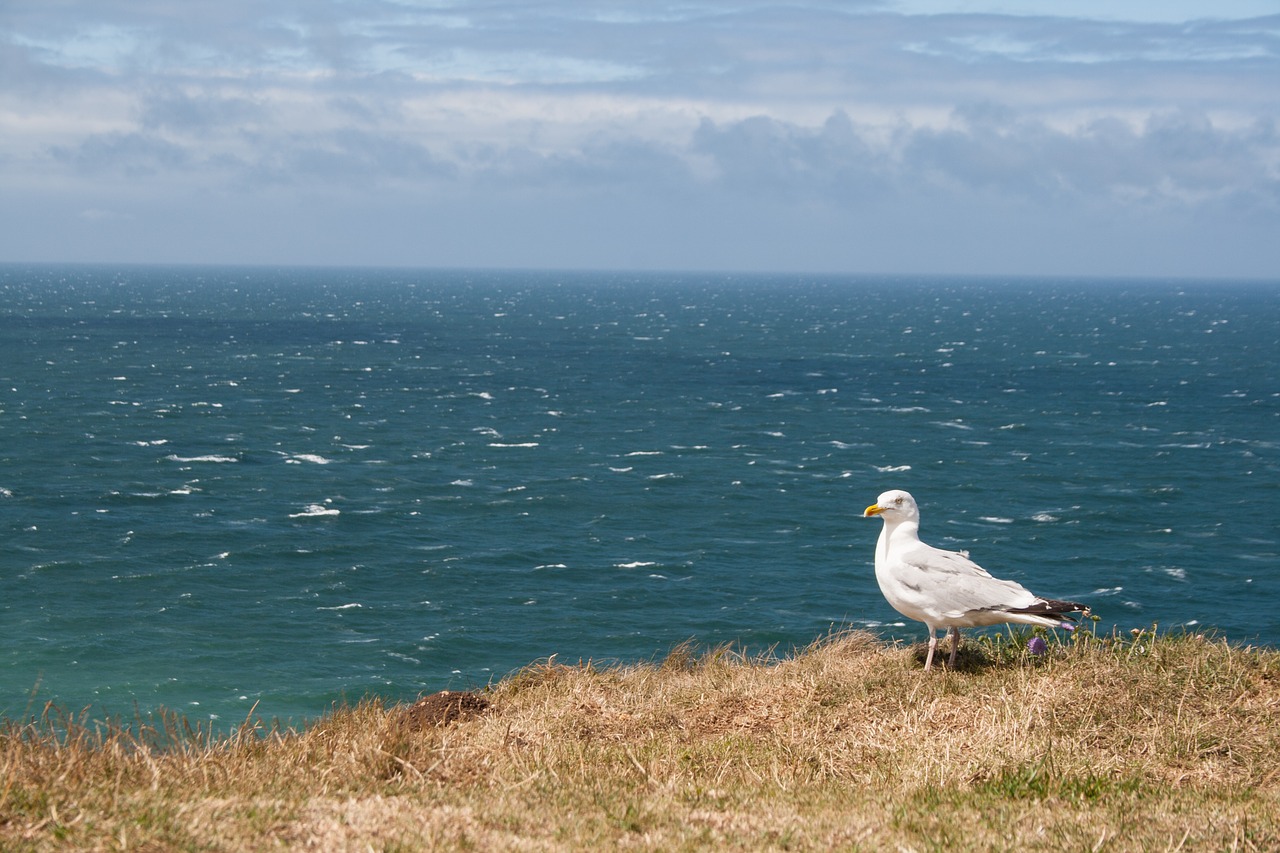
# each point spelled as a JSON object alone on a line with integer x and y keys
{"x": 242, "y": 491}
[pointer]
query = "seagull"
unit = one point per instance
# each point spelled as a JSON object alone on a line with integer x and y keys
{"x": 945, "y": 589}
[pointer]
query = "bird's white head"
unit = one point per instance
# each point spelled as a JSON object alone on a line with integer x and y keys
{"x": 895, "y": 505}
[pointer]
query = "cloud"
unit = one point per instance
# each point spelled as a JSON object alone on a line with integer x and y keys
{"x": 99, "y": 215}
{"x": 728, "y": 118}
{"x": 759, "y": 155}
{"x": 134, "y": 155}
{"x": 1181, "y": 158}
{"x": 197, "y": 111}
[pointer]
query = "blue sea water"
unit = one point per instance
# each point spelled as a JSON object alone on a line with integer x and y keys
{"x": 226, "y": 490}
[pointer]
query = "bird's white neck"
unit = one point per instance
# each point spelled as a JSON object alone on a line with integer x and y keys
{"x": 894, "y": 533}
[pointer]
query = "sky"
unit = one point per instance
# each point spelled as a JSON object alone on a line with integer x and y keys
{"x": 978, "y": 137}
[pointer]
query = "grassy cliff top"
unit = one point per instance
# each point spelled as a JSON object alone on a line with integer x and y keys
{"x": 1124, "y": 743}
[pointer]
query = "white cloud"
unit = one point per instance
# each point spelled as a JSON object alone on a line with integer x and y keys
{"x": 1146, "y": 11}
{"x": 736, "y": 120}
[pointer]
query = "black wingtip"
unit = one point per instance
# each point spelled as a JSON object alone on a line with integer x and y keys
{"x": 1054, "y": 609}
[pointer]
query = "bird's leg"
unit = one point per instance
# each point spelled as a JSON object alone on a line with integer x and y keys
{"x": 955, "y": 646}
{"x": 933, "y": 644}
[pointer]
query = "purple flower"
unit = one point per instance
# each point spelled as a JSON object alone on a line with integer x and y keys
{"x": 1037, "y": 646}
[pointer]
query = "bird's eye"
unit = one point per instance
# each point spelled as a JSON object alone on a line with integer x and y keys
{"x": 897, "y": 501}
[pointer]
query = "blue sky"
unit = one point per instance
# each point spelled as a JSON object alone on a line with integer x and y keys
{"x": 920, "y": 136}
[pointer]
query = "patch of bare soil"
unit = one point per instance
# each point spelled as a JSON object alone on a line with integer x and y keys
{"x": 443, "y": 709}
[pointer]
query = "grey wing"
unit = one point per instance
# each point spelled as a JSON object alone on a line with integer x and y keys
{"x": 960, "y": 585}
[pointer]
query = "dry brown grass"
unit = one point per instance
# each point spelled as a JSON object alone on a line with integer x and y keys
{"x": 1133, "y": 744}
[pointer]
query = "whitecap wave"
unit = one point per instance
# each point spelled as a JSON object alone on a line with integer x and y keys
{"x": 405, "y": 658}
{"x": 316, "y": 511}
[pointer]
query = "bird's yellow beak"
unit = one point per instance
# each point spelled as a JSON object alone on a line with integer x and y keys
{"x": 873, "y": 510}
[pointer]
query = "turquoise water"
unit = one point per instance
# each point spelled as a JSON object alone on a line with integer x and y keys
{"x": 286, "y": 487}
